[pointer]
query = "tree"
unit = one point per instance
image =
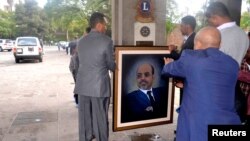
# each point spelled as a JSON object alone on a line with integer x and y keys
{"x": 102, "y": 6}
{"x": 7, "y": 25}
{"x": 201, "y": 20}
{"x": 248, "y": 4}
{"x": 65, "y": 18}
{"x": 10, "y": 2}
{"x": 245, "y": 21}
{"x": 70, "y": 17}
{"x": 171, "y": 17}
{"x": 30, "y": 19}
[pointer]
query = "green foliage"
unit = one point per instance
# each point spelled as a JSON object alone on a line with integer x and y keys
{"x": 171, "y": 17}
{"x": 245, "y": 21}
{"x": 201, "y": 20}
{"x": 30, "y": 19}
{"x": 70, "y": 17}
{"x": 11, "y": 3}
{"x": 7, "y": 25}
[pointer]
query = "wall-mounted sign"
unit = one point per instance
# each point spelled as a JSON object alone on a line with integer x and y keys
{"x": 145, "y": 11}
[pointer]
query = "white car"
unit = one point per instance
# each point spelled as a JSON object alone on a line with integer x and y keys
{"x": 63, "y": 44}
{"x": 28, "y": 48}
{"x": 6, "y": 44}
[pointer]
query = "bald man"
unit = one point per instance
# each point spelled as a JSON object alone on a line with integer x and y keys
{"x": 146, "y": 102}
{"x": 209, "y": 86}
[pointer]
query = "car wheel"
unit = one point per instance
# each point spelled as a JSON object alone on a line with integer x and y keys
{"x": 9, "y": 50}
{"x": 17, "y": 60}
{"x": 1, "y": 50}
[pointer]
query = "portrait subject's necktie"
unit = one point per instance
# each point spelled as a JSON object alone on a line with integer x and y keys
{"x": 151, "y": 98}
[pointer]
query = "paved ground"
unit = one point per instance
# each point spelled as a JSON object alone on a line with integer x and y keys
{"x": 37, "y": 104}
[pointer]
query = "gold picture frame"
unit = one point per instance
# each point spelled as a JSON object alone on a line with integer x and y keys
{"x": 128, "y": 58}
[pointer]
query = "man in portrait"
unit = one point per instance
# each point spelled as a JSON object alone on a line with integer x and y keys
{"x": 146, "y": 102}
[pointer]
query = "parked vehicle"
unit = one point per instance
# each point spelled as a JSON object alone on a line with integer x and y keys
{"x": 6, "y": 44}
{"x": 28, "y": 48}
{"x": 63, "y": 44}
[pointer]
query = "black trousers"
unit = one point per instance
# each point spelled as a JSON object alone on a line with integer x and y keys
{"x": 75, "y": 95}
{"x": 240, "y": 102}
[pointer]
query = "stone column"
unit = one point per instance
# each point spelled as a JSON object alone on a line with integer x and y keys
{"x": 123, "y": 19}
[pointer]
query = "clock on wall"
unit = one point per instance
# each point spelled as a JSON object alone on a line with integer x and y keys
{"x": 145, "y": 31}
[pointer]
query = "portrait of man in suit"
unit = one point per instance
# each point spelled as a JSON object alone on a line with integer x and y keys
{"x": 146, "y": 102}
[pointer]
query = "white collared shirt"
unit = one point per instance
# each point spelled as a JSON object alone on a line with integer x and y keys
{"x": 145, "y": 92}
{"x": 186, "y": 37}
{"x": 226, "y": 25}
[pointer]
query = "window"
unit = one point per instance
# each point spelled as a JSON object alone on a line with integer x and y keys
{"x": 27, "y": 42}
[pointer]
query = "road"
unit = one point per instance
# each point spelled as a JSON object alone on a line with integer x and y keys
{"x": 37, "y": 102}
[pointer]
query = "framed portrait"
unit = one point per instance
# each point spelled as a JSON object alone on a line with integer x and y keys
{"x": 142, "y": 96}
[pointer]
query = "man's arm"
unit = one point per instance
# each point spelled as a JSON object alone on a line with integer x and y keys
{"x": 110, "y": 57}
{"x": 173, "y": 52}
{"x": 175, "y": 68}
{"x": 71, "y": 64}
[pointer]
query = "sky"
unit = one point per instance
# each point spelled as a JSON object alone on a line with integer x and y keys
{"x": 193, "y": 6}
{"x": 183, "y": 4}
{"x": 41, "y": 3}
{"x": 190, "y": 6}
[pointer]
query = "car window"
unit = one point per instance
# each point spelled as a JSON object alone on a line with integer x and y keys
{"x": 27, "y": 42}
{"x": 8, "y": 41}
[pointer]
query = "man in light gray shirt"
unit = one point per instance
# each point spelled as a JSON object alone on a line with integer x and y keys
{"x": 234, "y": 41}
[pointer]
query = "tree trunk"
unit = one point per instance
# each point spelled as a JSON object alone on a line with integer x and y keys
{"x": 67, "y": 35}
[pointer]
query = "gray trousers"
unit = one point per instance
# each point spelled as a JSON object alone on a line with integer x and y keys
{"x": 93, "y": 118}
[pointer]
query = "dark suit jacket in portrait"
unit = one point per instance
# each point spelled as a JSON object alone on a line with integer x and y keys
{"x": 136, "y": 105}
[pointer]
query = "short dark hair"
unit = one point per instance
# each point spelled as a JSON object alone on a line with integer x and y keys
{"x": 88, "y": 29}
{"x": 189, "y": 20}
{"x": 96, "y": 18}
{"x": 217, "y": 8}
{"x": 153, "y": 69}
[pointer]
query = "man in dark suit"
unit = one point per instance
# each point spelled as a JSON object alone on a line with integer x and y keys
{"x": 95, "y": 52}
{"x": 147, "y": 102}
{"x": 188, "y": 24}
{"x": 72, "y": 46}
{"x": 210, "y": 78}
